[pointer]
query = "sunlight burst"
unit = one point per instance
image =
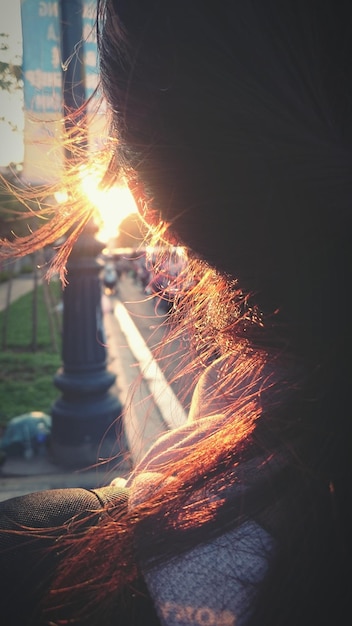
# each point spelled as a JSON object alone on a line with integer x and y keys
{"x": 113, "y": 204}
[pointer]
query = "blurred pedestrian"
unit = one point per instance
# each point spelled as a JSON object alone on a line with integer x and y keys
{"x": 109, "y": 277}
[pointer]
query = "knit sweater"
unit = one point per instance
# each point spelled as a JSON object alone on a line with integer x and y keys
{"x": 214, "y": 583}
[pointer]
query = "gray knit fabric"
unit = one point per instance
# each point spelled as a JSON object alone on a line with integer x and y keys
{"x": 213, "y": 584}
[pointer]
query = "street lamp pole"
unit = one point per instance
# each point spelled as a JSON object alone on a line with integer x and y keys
{"x": 87, "y": 413}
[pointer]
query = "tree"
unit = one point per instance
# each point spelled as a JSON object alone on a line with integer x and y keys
{"x": 10, "y": 76}
{"x": 12, "y": 212}
{"x": 11, "y": 81}
{"x": 10, "y": 73}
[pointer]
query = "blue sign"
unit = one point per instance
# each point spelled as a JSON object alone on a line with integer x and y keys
{"x": 42, "y": 75}
{"x": 42, "y": 71}
{"x": 90, "y": 46}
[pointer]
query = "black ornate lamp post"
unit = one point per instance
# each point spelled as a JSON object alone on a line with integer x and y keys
{"x": 84, "y": 413}
{"x": 87, "y": 408}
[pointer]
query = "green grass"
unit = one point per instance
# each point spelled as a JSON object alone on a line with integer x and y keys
{"x": 27, "y": 370}
{"x": 26, "y": 383}
{"x": 19, "y": 321}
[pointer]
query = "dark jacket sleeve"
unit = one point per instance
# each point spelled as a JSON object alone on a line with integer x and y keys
{"x": 26, "y": 563}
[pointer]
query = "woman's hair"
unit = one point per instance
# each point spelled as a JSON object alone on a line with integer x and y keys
{"x": 233, "y": 127}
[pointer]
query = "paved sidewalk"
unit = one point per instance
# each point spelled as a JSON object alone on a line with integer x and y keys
{"x": 49, "y": 476}
{"x": 13, "y": 290}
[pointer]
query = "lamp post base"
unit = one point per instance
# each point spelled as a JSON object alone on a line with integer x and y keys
{"x": 87, "y": 431}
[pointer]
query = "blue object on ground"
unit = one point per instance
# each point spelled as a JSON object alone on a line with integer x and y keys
{"x": 26, "y": 434}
